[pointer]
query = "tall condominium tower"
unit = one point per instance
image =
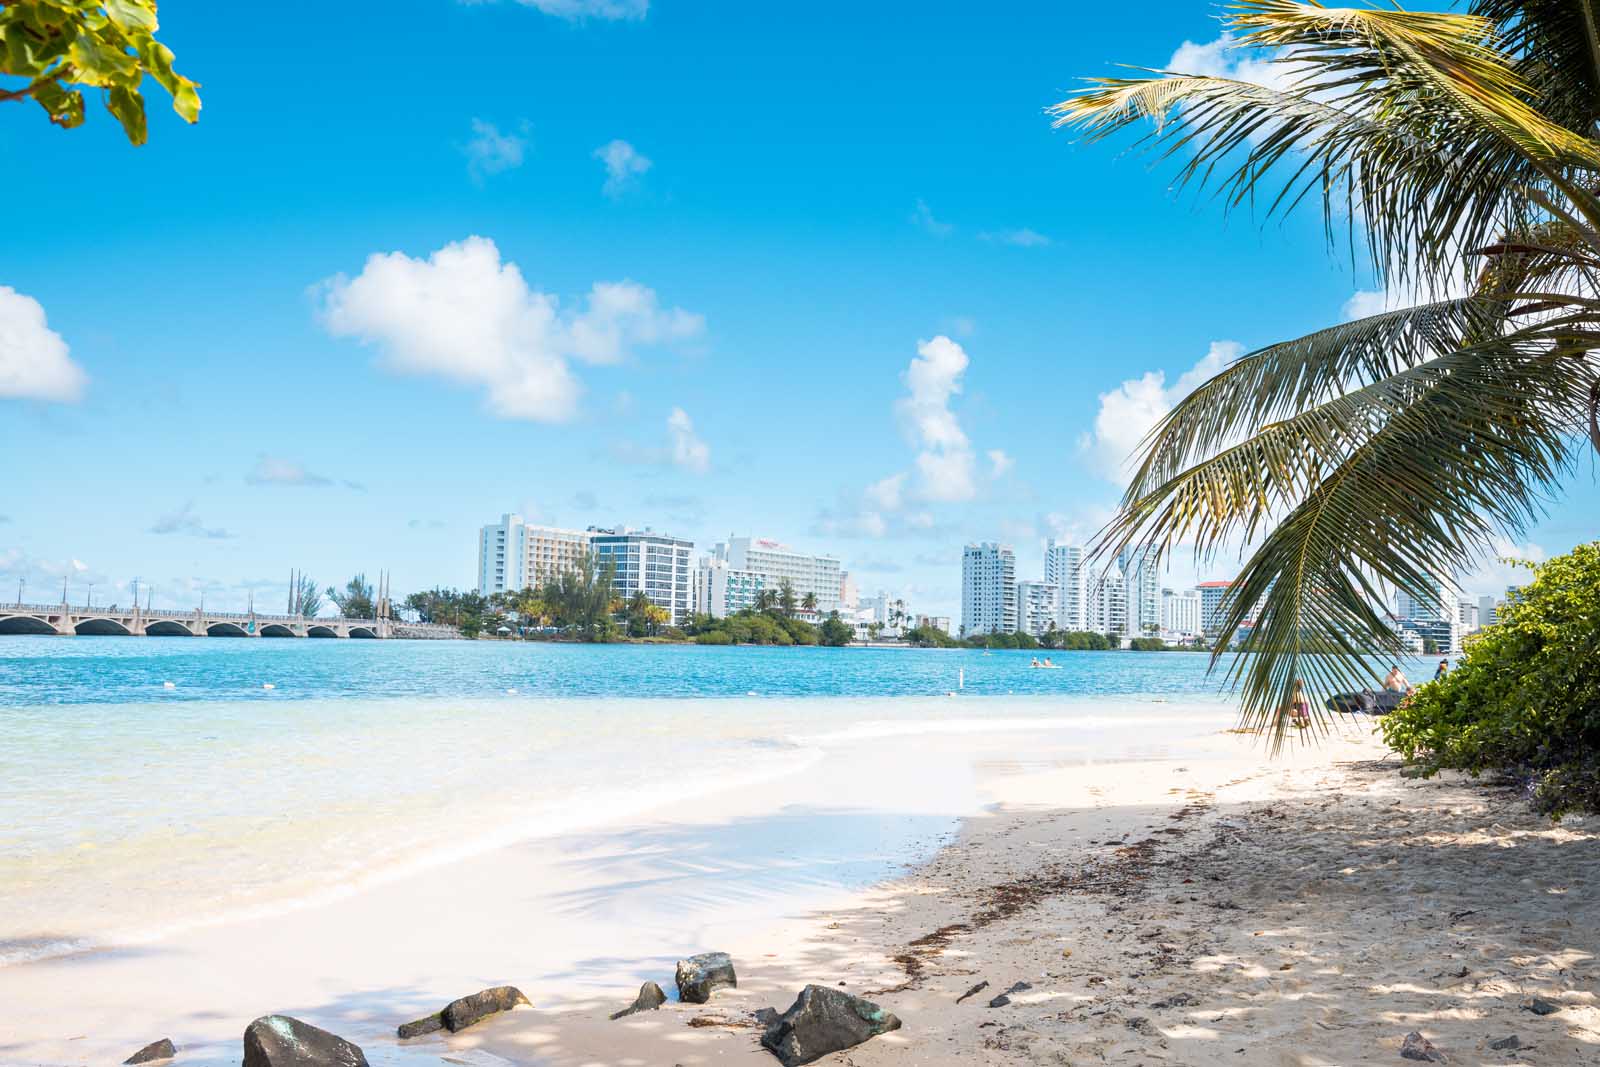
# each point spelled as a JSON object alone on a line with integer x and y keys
{"x": 514, "y": 555}
{"x": 1063, "y": 568}
{"x": 988, "y": 589}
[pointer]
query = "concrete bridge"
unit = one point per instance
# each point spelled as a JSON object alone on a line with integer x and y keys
{"x": 68, "y": 620}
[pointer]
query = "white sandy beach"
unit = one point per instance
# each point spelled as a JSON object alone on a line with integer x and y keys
{"x": 1201, "y": 905}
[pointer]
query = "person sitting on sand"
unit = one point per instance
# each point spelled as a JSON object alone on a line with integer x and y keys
{"x": 1396, "y": 681}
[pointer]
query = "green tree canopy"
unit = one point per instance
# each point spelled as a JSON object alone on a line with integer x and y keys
{"x": 1526, "y": 694}
{"x": 59, "y": 48}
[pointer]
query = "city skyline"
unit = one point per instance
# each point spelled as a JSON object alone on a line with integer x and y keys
{"x": 338, "y": 355}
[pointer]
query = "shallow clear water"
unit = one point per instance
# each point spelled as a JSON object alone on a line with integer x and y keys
{"x": 130, "y": 809}
{"x": 35, "y": 670}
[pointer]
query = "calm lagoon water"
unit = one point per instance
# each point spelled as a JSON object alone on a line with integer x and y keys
{"x": 131, "y": 809}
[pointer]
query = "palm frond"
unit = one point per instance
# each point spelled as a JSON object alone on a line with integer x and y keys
{"x": 1412, "y": 125}
{"x": 1383, "y": 486}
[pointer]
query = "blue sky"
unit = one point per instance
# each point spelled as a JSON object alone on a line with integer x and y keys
{"x": 821, "y": 272}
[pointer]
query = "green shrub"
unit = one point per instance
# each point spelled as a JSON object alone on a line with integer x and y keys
{"x": 1526, "y": 696}
{"x": 713, "y": 637}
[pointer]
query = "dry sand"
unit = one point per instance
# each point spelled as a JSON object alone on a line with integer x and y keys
{"x": 1310, "y": 910}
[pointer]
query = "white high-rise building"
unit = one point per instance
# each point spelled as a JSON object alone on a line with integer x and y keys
{"x": 774, "y": 563}
{"x": 720, "y": 591}
{"x": 1434, "y": 601}
{"x": 1038, "y": 607}
{"x": 1063, "y": 568}
{"x": 1488, "y": 611}
{"x": 988, "y": 589}
{"x": 1180, "y": 613}
{"x": 513, "y": 555}
{"x": 1141, "y": 575}
{"x": 1212, "y": 595}
{"x": 1107, "y": 610}
{"x": 655, "y": 563}
{"x": 1468, "y": 615}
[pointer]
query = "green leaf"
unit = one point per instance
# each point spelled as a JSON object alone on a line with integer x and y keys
{"x": 128, "y": 106}
{"x": 64, "y": 107}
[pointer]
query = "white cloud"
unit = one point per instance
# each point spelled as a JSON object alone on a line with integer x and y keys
{"x": 1000, "y": 464}
{"x": 463, "y": 315}
{"x": 886, "y": 494}
{"x": 923, "y": 218}
{"x": 1224, "y": 58}
{"x": 622, "y": 314}
{"x": 34, "y": 360}
{"x": 688, "y": 450}
{"x": 185, "y": 521}
{"x": 1493, "y": 573}
{"x": 273, "y": 470}
{"x": 1132, "y": 409}
{"x": 624, "y": 166}
{"x": 578, "y": 10}
{"x": 493, "y": 152}
{"x": 1023, "y": 238}
{"x": 945, "y": 462}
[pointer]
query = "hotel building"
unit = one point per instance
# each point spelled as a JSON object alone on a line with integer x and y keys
{"x": 513, "y": 555}
{"x": 646, "y": 561}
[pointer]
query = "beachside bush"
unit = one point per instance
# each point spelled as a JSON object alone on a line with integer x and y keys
{"x": 1526, "y": 696}
{"x": 835, "y": 632}
{"x": 713, "y": 637}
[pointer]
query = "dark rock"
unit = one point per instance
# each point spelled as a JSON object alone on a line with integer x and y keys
{"x": 460, "y": 1014}
{"x": 1140, "y": 1025}
{"x": 279, "y": 1041}
{"x": 1177, "y": 1000}
{"x": 155, "y": 1050}
{"x": 427, "y": 1025}
{"x": 824, "y": 1020}
{"x": 649, "y": 999}
{"x": 1417, "y": 1047}
{"x": 1005, "y": 998}
{"x": 700, "y": 976}
{"x": 1506, "y": 1044}
{"x": 765, "y": 1016}
{"x": 1541, "y": 1006}
{"x": 979, "y": 988}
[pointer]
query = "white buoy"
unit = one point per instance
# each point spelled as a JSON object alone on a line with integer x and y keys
{"x": 961, "y": 677}
{"x": 268, "y": 685}
{"x": 513, "y": 692}
{"x": 168, "y": 685}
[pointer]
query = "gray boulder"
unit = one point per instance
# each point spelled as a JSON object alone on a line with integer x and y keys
{"x": 700, "y": 976}
{"x": 1541, "y": 1006}
{"x": 823, "y": 1020}
{"x": 460, "y": 1014}
{"x": 1417, "y": 1047}
{"x": 649, "y": 999}
{"x": 417, "y": 1027}
{"x": 155, "y": 1050}
{"x": 279, "y": 1041}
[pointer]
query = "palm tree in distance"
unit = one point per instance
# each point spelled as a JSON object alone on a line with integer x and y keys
{"x": 1459, "y": 150}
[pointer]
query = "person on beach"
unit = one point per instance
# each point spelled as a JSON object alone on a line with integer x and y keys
{"x": 1299, "y": 707}
{"x": 1396, "y": 681}
{"x": 1444, "y": 666}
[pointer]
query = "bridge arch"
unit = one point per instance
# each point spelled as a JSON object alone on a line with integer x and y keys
{"x": 276, "y": 629}
{"x": 25, "y": 624}
{"x": 225, "y": 629}
{"x": 102, "y": 628}
{"x": 167, "y": 628}
{"x": 362, "y": 631}
{"x": 321, "y": 631}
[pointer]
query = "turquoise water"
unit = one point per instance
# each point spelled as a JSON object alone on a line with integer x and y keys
{"x": 151, "y": 785}
{"x": 101, "y": 670}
